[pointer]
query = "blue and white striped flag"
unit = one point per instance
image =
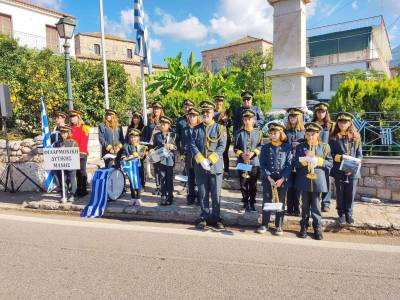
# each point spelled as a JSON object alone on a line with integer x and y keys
{"x": 98, "y": 196}
{"x": 132, "y": 169}
{"x": 142, "y": 36}
{"x": 50, "y": 178}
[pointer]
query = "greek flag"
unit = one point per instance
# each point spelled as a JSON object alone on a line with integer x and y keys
{"x": 142, "y": 36}
{"x": 50, "y": 178}
{"x": 132, "y": 170}
{"x": 98, "y": 197}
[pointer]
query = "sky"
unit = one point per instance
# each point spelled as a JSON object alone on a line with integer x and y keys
{"x": 195, "y": 25}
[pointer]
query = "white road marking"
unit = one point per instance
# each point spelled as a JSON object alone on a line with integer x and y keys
{"x": 207, "y": 234}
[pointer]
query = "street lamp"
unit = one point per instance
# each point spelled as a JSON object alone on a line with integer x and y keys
{"x": 65, "y": 28}
{"x": 264, "y": 68}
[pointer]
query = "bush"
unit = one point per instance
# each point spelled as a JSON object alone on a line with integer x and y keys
{"x": 359, "y": 96}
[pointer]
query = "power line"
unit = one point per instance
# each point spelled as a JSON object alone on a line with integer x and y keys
{"x": 393, "y": 23}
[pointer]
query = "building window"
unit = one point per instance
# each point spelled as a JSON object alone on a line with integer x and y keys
{"x": 129, "y": 53}
{"x": 316, "y": 83}
{"x": 214, "y": 66}
{"x": 97, "y": 49}
{"x": 336, "y": 80}
{"x": 229, "y": 62}
{"x": 52, "y": 39}
{"x": 5, "y": 25}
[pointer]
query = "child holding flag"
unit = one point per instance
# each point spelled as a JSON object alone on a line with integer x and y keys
{"x": 132, "y": 154}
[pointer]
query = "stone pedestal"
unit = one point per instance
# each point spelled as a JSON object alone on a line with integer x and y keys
{"x": 289, "y": 73}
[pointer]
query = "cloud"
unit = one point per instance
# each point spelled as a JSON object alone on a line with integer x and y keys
{"x": 122, "y": 28}
{"x": 54, "y": 4}
{"x": 155, "y": 45}
{"x": 354, "y": 4}
{"x": 236, "y": 18}
{"x": 189, "y": 29}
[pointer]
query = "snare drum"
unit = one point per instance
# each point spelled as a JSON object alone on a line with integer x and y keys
{"x": 115, "y": 184}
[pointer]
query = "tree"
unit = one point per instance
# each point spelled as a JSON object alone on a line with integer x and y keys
{"x": 250, "y": 76}
{"x": 177, "y": 77}
{"x": 32, "y": 74}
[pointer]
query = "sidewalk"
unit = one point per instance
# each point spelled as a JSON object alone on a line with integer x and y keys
{"x": 374, "y": 219}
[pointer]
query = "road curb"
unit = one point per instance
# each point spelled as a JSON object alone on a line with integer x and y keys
{"x": 188, "y": 215}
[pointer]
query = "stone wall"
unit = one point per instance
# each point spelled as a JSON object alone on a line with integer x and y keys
{"x": 380, "y": 178}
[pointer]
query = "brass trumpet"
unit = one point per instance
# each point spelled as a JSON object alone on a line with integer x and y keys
{"x": 311, "y": 168}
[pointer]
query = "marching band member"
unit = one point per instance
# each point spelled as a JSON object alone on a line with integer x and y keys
{"x": 137, "y": 123}
{"x": 322, "y": 117}
{"x": 207, "y": 146}
{"x": 148, "y": 136}
{"x": 181, "y": 124}
{"x": 223, "y": 117}
{"x": 193, "y": 119}
{"x": 247, "y": 98}
{"x": 247, "y": 147}
{"x": 295, "y": 134}
{"x": 80, "y": 133}
{"x": 312, "y": 159}
{"x": 276, "y": 167}
{"x": 165, "y": 139}
{"x": 346, "y": 141}
{"x": 70, "y": 175}
{"x": 111, "y": 138}
{"x": 134, "y": 150}
{"x": 59, "y": 119}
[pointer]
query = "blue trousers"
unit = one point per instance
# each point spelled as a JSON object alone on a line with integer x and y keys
{"x": 345, "y": 194}
{"x": 267, "y": 198}
{"x": 311, "y": 205}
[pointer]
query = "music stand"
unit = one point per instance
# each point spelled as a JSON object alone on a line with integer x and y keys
{"x": 7, "y": 174}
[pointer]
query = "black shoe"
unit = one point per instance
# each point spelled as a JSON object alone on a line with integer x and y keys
{"x": 342, "y": 220}
{"x": 163, "y": 201}
{"x": 318, "y": 234}
{"x": 201, "y": 224}
{"x": 169, "y": 202}
{"x": 219, "y": 225}
{"x": 349, "y": 219}
{"x": 252, "y": 207}
{"x": 246, "y": 206}
{"x": 297, "y": 214}
{"x": 303, "y": 233}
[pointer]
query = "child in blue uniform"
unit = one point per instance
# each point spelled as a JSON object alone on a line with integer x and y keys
{"x": 295, "y": 135}
{"x": 346, "y": 141}
{"x": 133, "y": 150}
{"x": 312, "y": 160}
{"x": 276, "y": 166}
{"x": 165, "y": 139}
{"x": 322, "y": 117}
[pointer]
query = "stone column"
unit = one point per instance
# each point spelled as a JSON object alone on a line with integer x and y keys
{"x": 289, "y": 73}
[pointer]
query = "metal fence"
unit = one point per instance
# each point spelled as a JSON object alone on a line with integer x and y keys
{"x": 380, "y": 131}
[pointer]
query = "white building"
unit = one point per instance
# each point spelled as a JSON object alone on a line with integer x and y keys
{"x": 334, "y": 49}
{"x": 32, "y": 25}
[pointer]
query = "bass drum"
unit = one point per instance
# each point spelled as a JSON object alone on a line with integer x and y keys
{"x": 115, "y": 184}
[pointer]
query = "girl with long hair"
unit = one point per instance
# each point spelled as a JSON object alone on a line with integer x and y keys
{"x": 111, "y": 138}
{"x": 345, "y": 141}
{"x": 295, "y": 135}
{"x": 322, "y": 117}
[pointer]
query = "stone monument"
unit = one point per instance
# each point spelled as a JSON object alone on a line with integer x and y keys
{"x": 289, "y": 73}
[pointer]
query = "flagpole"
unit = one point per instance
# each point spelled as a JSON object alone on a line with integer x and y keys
{"x": 144, "y": 101}
{"x": 103, "y": 55}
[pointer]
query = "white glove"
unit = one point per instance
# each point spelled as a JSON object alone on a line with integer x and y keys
{"x": 314, "y": 161}
{"x": 205, "y": 163}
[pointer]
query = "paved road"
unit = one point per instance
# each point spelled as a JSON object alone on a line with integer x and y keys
{"x": 54, "y": 257}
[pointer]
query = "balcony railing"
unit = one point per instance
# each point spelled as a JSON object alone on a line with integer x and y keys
{"x": 30, "y": 40}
